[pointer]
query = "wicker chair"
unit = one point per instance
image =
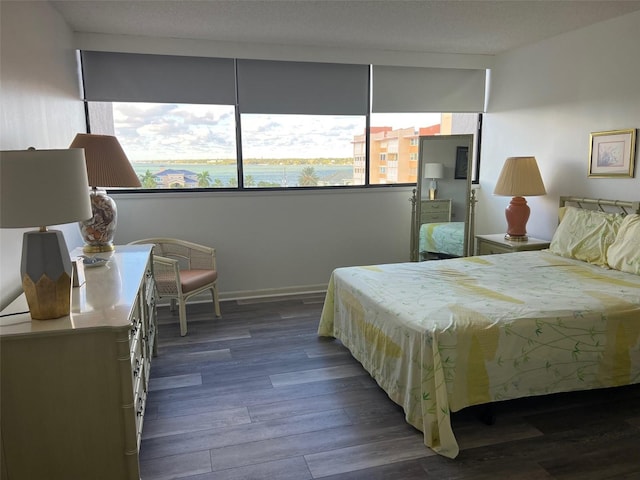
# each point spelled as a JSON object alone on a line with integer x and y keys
{"x": 181, "y": 270}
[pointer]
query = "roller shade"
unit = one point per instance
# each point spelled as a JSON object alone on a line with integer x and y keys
{"x": 132, "y": 77}
{"x": 280, "y": 87}
{"x": 417, "y": 89}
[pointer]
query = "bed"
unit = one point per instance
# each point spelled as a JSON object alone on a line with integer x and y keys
{"x": 442, "y": 238}
{"x": 442, "y": 336}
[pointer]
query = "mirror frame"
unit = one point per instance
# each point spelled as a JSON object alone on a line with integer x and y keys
{"x": 421, "y": 192}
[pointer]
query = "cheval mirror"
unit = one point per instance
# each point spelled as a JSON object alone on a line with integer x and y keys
{"x": 442, "y": 223}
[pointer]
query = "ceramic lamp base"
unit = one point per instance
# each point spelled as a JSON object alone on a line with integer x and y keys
{"x": 46, "y": 274}
{"x": 517, "y": 214}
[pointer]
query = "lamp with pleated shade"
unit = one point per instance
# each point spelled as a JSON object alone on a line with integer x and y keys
{"x": 519, "y": 178}
{"x": 107, "y": 166}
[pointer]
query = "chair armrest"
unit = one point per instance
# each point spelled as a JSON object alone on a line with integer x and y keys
{"x": 197, "y": 256}
{"x": 165, "y": 262}
{"x": 200, "y": 256}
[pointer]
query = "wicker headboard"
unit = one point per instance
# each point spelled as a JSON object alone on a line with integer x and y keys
{"x": 615, "y": 206}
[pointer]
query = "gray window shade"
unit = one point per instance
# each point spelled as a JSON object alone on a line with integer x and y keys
{"x": 302, "y": 88}
{"x": 131, "y": 77}
{"x": 416, "y": 89}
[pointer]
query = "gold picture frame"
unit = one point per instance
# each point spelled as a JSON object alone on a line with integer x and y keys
{"x": 612, "y": 153}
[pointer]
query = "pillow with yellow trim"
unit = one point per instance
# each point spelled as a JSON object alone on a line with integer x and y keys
{"x": 624, "y": 252}
{"x": 585, "y": 235}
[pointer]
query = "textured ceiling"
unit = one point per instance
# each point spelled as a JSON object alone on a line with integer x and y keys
{"x": 451, "y": 26}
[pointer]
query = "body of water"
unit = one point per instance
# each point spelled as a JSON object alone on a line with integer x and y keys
{"x": 282, "y": 175}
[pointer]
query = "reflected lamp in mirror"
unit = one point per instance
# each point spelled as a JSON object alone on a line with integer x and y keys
{"x": 433, "y": 171}
{"x": 519, "y": 178}
{"x": 41, "y": 188}
{"x": 107, "y": 166}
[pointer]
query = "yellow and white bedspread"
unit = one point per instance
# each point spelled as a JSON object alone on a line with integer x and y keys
{"x": 443, "y": 335}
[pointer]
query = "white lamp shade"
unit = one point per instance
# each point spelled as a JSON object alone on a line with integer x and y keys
{"x": 520, "y": 177}
{"x": 43, "y": 187}
{"x": 433, "y": 170}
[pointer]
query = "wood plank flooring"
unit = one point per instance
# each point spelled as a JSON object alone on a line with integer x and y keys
{"x": 257, "y": 395}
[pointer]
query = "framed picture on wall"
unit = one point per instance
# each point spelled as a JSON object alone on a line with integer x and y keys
{"x": 462, "y": 163}
{"x": 612, "y": 153}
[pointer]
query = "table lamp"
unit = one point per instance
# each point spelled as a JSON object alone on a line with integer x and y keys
{"x": 519, "y": 177}
{"x": 107, "y": 166}
{"x": 40, "y": 188}
{"x": 433, "y": 171}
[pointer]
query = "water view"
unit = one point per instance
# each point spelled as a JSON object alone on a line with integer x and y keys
{"x": 199, "y": 175}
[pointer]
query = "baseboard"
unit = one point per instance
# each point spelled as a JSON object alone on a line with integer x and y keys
{"x": 274, "y": 292}
{"x": 247, "y": 296}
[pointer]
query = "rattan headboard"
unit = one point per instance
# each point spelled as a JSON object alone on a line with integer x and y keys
{"x": 616, "y": 206}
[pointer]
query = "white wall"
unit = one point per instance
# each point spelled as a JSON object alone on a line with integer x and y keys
{"x": 277, "y": 242}
{"x": 40, "y": 104}
{"x": 545, "y": 101}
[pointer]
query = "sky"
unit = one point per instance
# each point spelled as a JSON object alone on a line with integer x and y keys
{"x": 172, "y": 132}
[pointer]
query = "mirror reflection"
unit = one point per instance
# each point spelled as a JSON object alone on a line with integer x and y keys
{"x": 441, "y": 224}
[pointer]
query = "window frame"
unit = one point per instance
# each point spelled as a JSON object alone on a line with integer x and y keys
{"x": 357, "y": 158}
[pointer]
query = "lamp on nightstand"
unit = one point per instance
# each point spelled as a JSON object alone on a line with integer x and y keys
{"x": 107, "y": 166}
{"x": 433, "y": 171}
{"x": 519, "y": 177}
{"x": 40, "y": 188}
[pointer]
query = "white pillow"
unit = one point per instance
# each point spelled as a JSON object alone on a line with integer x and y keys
{"x": 585, "y": 235}
{"x": 624, "y": 252}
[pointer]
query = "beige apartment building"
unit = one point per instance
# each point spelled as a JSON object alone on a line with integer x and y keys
{"x": 393, "y": 153}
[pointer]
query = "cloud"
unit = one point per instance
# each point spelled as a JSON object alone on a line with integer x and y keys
{"x": 174, "y": 131}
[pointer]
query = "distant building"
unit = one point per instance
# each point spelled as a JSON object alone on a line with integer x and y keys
{"x": 337, "y": 178}
{"x": 393, "y": 154}
{"x": 174, "y": 178}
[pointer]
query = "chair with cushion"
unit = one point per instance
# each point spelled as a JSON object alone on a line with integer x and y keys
{"x": 181, "y": 270}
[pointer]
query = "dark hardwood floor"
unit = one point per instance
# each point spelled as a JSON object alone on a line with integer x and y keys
{"x": 257, "y": 395}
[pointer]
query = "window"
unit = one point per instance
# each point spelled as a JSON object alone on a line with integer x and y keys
{"x": 202, "y": 122}
{"x": 394, "y": 138}
{"x": 300, "y": 150}
{"x": 406, "y": 104}
{"x": 173, "y": 145}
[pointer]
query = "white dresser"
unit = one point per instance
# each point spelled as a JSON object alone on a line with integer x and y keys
{"x": 74, "y": 389}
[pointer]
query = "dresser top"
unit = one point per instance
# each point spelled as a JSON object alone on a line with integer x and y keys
{"x": 105, "y": 300}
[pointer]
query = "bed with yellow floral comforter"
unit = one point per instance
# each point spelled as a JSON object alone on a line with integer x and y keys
{"x": 443, "y": 335}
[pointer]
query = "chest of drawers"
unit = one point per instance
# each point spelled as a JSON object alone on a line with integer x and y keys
{"x": 74, "y": 389}
{"x": 435, "y": 211}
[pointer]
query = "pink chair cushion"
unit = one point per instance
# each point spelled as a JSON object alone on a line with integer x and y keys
{"x": 192, "y": 279}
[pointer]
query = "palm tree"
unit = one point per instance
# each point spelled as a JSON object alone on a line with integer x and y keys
{"x": 148, "y": 180}
{"x": 204, "y": 179}
{"x": 249, "y": 181}
{"x": 308, "y": 177}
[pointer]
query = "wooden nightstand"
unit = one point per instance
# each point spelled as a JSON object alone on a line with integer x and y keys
{"x": 496, "y": 243}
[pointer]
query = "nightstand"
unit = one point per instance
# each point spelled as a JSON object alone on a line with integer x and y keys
{"x": 435, "y": 211}
{"x": 496, "y": 243}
